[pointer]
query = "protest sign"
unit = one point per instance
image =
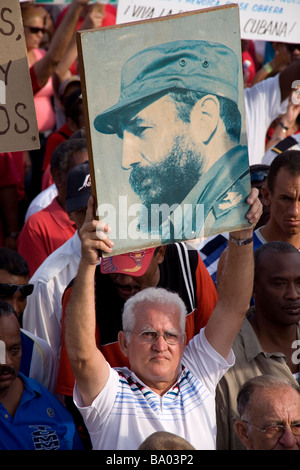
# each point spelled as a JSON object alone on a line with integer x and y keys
{"x": 61, "y": 2}
{"x": 168, "y": 155}
{"x": 266, "y": 20}
{"x": 18, "y": 125}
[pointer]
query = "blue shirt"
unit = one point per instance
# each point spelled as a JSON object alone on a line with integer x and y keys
{"x": 41, "y": 422}
{"x": 211, "y": 251}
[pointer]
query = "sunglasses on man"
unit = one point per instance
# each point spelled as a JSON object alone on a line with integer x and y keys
{"x": 8, "y": 290}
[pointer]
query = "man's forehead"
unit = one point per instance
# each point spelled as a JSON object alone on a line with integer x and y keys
{"x": 144, "y": 108}
{"x": 285, "y": 173}
{"x": 152, "y": 313}
{"x": 9, "y": 327}
{"x": 281, "y": 264}
{"x": 6, "y": 277}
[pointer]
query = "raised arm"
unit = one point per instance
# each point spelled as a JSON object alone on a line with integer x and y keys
{"x": 235, "y": 284}
{"x": 89, "y": 365}
{"x": 287, "y": 77}
{"x": 93, "y": 20}
{"x": 45, "y": 67}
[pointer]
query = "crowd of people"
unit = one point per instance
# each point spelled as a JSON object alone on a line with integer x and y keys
{"x": 171, "y": 347}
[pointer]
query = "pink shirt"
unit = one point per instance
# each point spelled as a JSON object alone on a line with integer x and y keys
{"x": 42, "y": 99}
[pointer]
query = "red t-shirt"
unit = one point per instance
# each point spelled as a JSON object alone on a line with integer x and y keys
{"x": 43, "y": 233}
{"x": 54, "y": 139}
{"x": 9, "y": 176}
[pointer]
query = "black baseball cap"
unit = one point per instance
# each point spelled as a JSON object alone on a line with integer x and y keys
{"x": 78, "y": 187}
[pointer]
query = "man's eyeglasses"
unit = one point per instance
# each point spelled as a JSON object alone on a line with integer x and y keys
{"x": 34, "y": 29}
{"x": 8, "y": 290}
{"x": 277, "y": 430}
{"x": 151, "y": 336}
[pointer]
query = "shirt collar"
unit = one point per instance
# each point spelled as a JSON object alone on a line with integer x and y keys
{"x": 31, "y": 388}
{"x": 250, "y": 340}
{"x": 59, "y": 214}
{"x": 132, "y": 378}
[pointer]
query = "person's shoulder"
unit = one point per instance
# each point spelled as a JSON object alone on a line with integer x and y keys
{"x": 180, "y": 255}
{"x": 179, "y": 250}
{"x": 268, "y": 84}
{"x": 38, "y": 391}
{"x": 40, "y": 342}
{"x": 32, "y": 385}
{"x": 38, "y": 217}
{"x": 56, "y": 263}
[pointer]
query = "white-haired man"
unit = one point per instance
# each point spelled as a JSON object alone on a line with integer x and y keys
{"x": 168, "y": 386}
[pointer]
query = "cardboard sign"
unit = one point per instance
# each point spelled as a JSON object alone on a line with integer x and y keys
{"x": 157, "y": 178}
{"x": 18, "y": 125}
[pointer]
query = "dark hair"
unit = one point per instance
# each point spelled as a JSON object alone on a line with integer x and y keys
{"x": 79, "y": 134}
{"x": 290, "y": 159}
{"x": 258, "y": 173}
{"x": 271, "y": 247}
{"x": 62, "y": 155}
{"x": 73, "y": 106}
{"x": 6, "y": 309}
{"x": 13, "y": 262}
{"x": 230, "y": 114}
{"x": 261, "y": 382}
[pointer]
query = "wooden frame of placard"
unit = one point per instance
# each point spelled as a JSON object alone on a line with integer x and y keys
{"x": 102, "y": 55}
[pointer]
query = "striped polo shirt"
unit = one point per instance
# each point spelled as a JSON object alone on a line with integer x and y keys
{"x": 126, "y": 411}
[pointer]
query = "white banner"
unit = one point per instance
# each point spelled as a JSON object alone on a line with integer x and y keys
{"x": 61, "y": 2}
{"x": 266, "y": 20}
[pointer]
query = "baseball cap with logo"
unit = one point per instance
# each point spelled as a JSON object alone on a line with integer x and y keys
{"x": 200, "y": 66}
{"x": 134, "y": 263}
{"x": 78, "y": 187}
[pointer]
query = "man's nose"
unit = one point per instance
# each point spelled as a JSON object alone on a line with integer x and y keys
{"x": 17, "y": 304}
{"x": 160, "y": 344}
{"x": 130, "y": 154}
{"x": 294, "y": 208}
{"x": 8, "y": 359}
{"x": 293, "y": 291}
{"x": 122, "y": 279}
{"x": 288, "y": 440}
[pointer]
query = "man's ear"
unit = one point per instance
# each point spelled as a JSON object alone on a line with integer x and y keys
{"x": 265, "y": 195}
{"x": 241, "y": 429}
{"x": 205, "y": 117}
{"x": 123, "y": 343}
{"x": 160, "y": 255}
{"x": 58, "y": 177}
